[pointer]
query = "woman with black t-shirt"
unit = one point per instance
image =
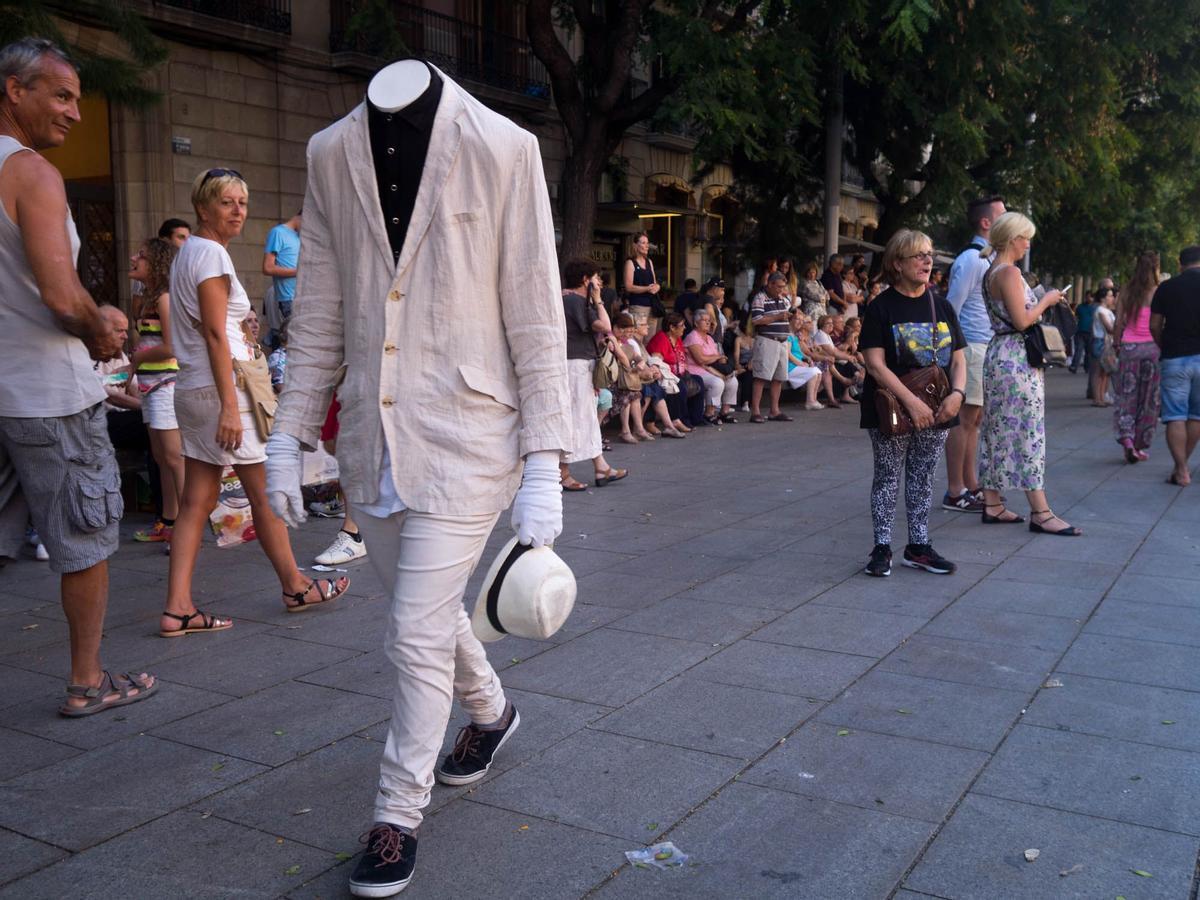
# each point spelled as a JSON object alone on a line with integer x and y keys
{"x": 898, "y": 337}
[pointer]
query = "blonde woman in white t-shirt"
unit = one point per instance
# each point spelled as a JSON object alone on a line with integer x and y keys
{"x": 215, "y": 423}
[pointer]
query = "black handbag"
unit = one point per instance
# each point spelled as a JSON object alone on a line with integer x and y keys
{"x": 1044, "y": 346}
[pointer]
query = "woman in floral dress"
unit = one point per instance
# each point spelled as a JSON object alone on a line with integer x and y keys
{"x": 1012, "y": 445}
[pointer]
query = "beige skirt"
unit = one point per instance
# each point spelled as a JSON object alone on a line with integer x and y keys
{"x": 197, "y": 411}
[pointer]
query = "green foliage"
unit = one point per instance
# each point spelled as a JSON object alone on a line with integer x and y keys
{"x": 119, "y": 79}
{"x": 372, "y": 30}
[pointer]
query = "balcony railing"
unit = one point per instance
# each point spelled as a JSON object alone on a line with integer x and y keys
{"x": 270, "y": 15}
{"x": 462, "y": 49}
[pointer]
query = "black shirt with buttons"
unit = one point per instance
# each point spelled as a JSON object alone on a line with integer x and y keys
{"x": 399, "y": 144}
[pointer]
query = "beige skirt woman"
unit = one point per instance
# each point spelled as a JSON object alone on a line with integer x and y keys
{"x": 198, "y": 411}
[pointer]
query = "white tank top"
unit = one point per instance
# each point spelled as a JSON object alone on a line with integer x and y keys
{"x": 44, "y": 372}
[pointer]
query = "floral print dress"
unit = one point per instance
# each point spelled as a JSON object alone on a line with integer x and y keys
{"x": 1012, "y": 439}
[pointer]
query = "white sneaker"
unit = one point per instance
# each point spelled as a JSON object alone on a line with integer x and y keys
{"x": 41, "y": 552}
{"x": 344, "y": 549}
{"x": 745, "y": 407}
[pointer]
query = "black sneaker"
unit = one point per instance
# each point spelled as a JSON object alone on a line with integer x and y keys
{"x": 473, "y": 751}
{"x": 880, "y": 563}
{"x": 386, "y": 866}
{"x": 965, "y": 502}
{"x": 923, "y": 556}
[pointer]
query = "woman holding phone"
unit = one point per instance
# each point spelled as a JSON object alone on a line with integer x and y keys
{"x": 1012, "y": 439}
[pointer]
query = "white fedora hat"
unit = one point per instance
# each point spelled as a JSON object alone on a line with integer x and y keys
{"x": 528, "y": 592}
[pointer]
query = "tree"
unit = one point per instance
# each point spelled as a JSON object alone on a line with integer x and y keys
{"x": 685, "y": 41}
{"x": 118, "y": 79}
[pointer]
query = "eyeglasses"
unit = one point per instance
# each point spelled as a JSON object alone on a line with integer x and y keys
{"x": 926, "y": 256}
{"x": 220, "y": 173}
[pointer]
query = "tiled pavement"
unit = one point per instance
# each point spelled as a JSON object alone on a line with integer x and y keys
{"x": 728, "y": 681}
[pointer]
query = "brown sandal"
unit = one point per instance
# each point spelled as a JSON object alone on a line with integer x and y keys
{"x": 207, "y": 623}
{"x": 328, "y": 594}
{"x": 95, "y": 695}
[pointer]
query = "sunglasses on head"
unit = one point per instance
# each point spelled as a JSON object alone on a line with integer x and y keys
{"x": 220, "y": 173}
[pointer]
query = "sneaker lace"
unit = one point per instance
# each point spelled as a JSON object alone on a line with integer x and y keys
{"x": 386, "y": 842}
{"x": 467, "y": 743}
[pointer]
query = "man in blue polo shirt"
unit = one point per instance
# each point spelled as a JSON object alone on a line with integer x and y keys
{"x": 281, "y": 256}
{"x": 965, "y": 293}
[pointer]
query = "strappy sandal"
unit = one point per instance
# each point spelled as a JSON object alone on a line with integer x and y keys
{"x": 328, "y": 594}
{"x": 1069, "y": 531}
{"x": 207, "y": 623}
{"x": 573, "y": 485}
{"x": 999, "y": 518}
{"x": 604, "y": 480}
{"x": 95, "y": 696}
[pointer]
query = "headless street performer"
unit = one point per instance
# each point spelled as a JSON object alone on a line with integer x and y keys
{"x": 429, "y": 296}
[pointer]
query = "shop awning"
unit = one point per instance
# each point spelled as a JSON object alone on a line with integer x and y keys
{"x": 642, "y": 208}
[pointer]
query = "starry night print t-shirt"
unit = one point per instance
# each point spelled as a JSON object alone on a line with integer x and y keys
{"x": 901, "y": 326}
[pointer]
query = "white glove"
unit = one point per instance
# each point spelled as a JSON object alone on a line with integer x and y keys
{"x": 283, "y": 478}
{"x": 537, "y": 509}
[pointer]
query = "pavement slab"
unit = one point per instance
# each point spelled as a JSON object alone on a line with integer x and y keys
{"x": 1127, "y": 659}
{"x": 278, "y": 724}
{"x": 78, "y": 802}
{"x": 607, "y": 666}
{"x": 874, "y": 771}
{"x": 174, "y": 856}
{"x": 728, "y": 680}
{"x": 20, "y": 855}
{"x": 971, "y": 662}
{"x": 841, "y": 630}
{"x": 788, "y": 670}
{"x": 961, "y": 715}
{"x": 751, "y": 841}
{"x": 1099, "y": 776}
{"x": 715, "y": 718}
{"x": 979, "y": 855}
{"x": 610, "y": 784}
{"x": 1131, "y": 712}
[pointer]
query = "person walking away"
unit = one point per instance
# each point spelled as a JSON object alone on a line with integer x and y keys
{"x": 899, "y": 337}
{"x": 1136, "y": 390}
{"x": 55, "y": 438}
{"x": 1012, "y": 450}
{"x": 769, "y": 311}
{"x": 965, "y": 293}
{"x": 281, "y": 259}
{"x": 1175, "y": 325}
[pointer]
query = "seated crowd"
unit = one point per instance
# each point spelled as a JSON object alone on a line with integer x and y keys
{"x": 704, "y": 362}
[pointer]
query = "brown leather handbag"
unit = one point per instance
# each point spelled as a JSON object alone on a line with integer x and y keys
{"x": 929, "y": 383}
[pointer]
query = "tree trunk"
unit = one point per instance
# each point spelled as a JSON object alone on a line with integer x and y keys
{"x": 581, "y": 187}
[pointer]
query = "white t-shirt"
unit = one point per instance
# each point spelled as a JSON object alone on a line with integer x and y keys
{"x": 199, "y": 260}
{"x": 1103, "y": 315}
{"x": 821, "y": 339}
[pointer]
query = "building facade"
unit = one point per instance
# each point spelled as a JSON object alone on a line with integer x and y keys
{"x": 248, "y": 82}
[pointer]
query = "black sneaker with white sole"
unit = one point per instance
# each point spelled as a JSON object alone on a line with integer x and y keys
{"x": 880, "y": 563}
{"x": 923, "y": 556}
{"x": 472, "y": 755}
{"x": 387, "y": 865}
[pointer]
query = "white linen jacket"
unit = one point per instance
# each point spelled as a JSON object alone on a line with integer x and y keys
{"x": 455, "y": 355}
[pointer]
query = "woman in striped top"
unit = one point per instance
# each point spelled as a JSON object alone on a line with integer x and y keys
{"x": 156, "y": 369}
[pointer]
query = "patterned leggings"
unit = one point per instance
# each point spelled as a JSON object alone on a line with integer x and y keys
{"x": 917, "y": 454}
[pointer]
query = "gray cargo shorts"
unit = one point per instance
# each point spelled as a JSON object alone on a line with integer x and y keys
{"x": 69, "y": 478}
